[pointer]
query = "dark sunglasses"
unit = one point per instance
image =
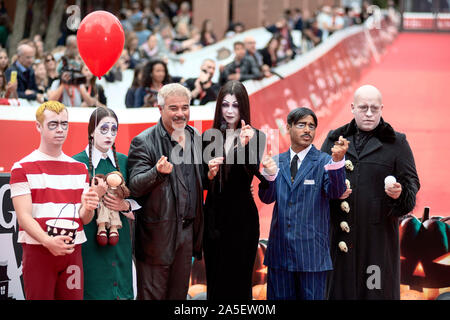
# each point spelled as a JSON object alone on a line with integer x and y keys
{"x": 49, "y": 59}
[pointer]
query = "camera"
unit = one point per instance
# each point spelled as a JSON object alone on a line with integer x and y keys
{"x": 75, "y": 76}
{"x": 150, "y": 98}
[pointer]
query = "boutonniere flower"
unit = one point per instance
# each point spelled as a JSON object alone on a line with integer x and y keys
{"x": 349, "y": 165}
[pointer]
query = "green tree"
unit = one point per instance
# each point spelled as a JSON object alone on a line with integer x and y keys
{"x": 53, "y": 32}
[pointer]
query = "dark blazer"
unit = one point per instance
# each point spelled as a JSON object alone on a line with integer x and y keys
{"x": 139, "y": 96}
{"x": 267, "y": 59}
{"x": 248, "y": 69}
{"x": 299, "y": 231}
{"x": 158, "y": 221}
{"x": 23, "y": 83}
{"x": 373, "y": 217}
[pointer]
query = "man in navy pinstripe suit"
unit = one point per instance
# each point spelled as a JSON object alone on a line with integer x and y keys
{"x": 298, "y": 254}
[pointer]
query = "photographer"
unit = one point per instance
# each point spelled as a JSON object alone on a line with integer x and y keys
{"x": 203, "y": 90}
{"x": 71, "y": 88}
{"x": 95, "y": 90}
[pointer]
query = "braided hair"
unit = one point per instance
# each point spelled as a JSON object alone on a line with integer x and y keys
{"x": 97, "y": 116}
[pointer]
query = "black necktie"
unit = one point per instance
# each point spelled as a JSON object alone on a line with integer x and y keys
{"x": 294, "y": 168}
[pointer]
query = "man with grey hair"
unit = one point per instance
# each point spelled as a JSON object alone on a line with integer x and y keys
{"x": 165, "y": 176}
{"x": 364, "y": 223}
{"x": 26, "y": 83}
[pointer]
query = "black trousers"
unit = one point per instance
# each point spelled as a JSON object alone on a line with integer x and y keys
{"x": 156, "y": 282}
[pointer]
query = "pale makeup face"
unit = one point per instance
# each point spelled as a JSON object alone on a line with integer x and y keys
{"x": 105, "y": 134}
{"x": 230, "y": 111}
{"x": 367, "y": 108}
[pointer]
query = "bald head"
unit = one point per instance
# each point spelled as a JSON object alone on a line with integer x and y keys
{"x": 208, "y": 66}
{"x": 250, "y": 44}
{"x": 366, "y": 107}
{"x": 367, "y": 91}
{"x": 25, "y": 55}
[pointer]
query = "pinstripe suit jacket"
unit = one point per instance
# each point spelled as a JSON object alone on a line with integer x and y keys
{"x": 299, "y": 232}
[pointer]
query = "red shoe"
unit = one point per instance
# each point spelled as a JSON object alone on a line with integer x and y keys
{"x": 113, "y": 238}
{"x": 102, "y": 238}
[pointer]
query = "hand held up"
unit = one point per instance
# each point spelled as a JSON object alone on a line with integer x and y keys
{"x": 164, "y": 166}
{"x": 339, "y": 149}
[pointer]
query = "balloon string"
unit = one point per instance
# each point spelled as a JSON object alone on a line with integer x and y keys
{"x": 93, "y": 143}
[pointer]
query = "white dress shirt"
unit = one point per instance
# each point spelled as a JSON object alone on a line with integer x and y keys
{"x": 301, "y": 156}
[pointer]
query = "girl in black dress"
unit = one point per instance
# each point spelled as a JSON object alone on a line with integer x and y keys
{"x": 231, "y": 232}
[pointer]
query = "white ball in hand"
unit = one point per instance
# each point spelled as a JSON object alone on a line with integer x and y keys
{"x": 389, "y": 181}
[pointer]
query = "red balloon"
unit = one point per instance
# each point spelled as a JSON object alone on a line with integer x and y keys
{"x": 100, "y": 40}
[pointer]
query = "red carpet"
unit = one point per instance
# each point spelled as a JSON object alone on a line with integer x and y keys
{"x": 414, "y": 78}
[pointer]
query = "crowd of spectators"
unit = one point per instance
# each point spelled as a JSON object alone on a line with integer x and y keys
{"x": 152, "y": 38}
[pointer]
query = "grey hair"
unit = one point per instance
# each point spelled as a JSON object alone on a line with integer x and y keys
{"x": 71, "y": 38}
{"x": 172, "y": 89}
{"x": 22, "y": 47}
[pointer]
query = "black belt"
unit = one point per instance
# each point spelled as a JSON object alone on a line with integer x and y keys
{"x": 187, "y": 222}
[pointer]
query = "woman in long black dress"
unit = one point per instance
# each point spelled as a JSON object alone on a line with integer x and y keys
{"x": 231, "y": 232}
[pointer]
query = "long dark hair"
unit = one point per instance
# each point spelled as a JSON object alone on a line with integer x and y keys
{"x": 3, "y": 86}
{"x": 94, "y": 120}
{"x": 203, "y": 32}
{"x": 236, "y": 88}
{"x": 137, "y": 73}
{"x": 147, "y": 79}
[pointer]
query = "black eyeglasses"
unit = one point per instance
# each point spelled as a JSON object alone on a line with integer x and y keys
{"x": 49, "y": 59}
{"x": 52, "y": 125}
{"x": 104, "y": 129}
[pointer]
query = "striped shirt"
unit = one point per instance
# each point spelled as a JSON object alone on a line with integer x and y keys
{"x": 53, "y": 183}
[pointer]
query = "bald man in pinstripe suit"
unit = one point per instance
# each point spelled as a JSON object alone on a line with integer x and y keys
{"x": 301, "y": 182}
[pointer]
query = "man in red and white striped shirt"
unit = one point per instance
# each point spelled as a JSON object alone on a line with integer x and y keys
{"x": 43, "y": 183}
